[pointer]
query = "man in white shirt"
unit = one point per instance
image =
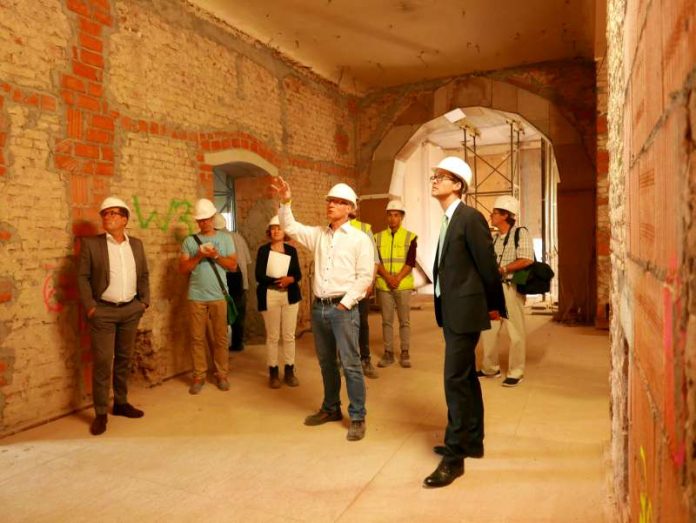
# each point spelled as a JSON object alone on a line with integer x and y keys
{"x": 113, "y": 279}
{"x": 344, "y": 266}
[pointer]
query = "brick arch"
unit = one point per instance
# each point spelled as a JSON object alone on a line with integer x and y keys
{"x": 566, "y": 118}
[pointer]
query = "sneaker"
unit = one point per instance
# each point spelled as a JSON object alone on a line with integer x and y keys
{"x": 512, "y": 382}
{"x": 196, "y": 386}
{"x": 482, "y": 374}
{"x": 321, "y": 417}
{"x": 356, "y": 431}
{"x": 369, "y": 370}
{"x": 387, "y": 359}
{"x": 223, "y": 384}
{"x": 405, "y": 360}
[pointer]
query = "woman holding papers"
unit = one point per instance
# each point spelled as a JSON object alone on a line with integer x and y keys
{"x": 278, "y": 294}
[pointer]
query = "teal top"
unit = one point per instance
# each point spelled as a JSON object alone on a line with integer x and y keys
{"x": 203, "y": 285}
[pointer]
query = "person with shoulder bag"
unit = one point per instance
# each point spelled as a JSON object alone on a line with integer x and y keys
{"x": 514, "y": 253}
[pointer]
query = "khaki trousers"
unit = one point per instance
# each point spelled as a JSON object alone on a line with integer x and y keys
{"x": 399, "y": 300}
{"x": 490, "y": 339}
{"x": 280, "y": 318}
{"x": 215, "y": 312}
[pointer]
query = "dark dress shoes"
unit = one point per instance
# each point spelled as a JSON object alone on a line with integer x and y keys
{"x": 441, "y": 450}
{"x": 445, "y": 473}
{"x": 98, "y": 426}
{"x": 127, "y": 410}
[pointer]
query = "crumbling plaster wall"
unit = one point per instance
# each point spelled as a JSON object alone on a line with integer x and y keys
{"x": 652, "y": 167}
{"x": 126, "y": 97}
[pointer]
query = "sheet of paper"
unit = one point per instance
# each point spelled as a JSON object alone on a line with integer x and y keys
{"x": 278, "y": 264}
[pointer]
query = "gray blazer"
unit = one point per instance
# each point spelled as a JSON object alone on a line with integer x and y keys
{"x": 470, "y": 283}
{"x": 93, "y": 270}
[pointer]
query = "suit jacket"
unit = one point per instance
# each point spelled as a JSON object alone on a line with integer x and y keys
{"x": 264, "y": 281}
{"x": 93, "y": 270}
{"x": 470, "y": 283}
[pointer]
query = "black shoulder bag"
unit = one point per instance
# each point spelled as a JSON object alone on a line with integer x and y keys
{"x": 535, "y": 279}
{"x": 231, "y": 307}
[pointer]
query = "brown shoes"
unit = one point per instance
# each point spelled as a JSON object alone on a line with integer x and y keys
{"x": 356, "y": 431}
{"x": 445, "y": 473}
{"x": 127, "y": 410}
{"x": 321, "y": 417}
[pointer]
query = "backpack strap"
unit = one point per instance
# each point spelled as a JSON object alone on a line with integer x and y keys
{"x": 212, "y": 266}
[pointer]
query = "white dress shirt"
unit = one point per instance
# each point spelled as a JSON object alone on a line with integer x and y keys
{"x": 343, "y": 259}
{"x": 122, "y": 274}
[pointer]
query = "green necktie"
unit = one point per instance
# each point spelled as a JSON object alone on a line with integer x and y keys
{"x": 440, "y": 243}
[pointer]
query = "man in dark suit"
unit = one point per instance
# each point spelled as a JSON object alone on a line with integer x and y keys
{"x": 468, "y": 293}
{"x": 113, "y": 279}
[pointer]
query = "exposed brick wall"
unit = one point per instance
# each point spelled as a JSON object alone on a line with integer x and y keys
{"x": 126, "y": 97}
{"x": 652, "y": 76}
{"x": 603, "y": 311}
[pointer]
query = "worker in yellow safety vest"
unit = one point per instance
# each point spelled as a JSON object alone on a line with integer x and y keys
{"x": 397, "y": 253}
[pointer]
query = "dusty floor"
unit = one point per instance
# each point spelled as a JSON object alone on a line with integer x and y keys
{"x": 245, "y": 455}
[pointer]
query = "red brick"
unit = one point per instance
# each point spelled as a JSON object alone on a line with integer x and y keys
{"x": 48, "y": 103}
{"x": 86, "y": 151}
{"x": 107, "y": 154}
{"x": 78, "y": 6}
{"x": 103, "y": 122}
{"x": 88, "y": 167}
{"x": 95, "y": 135}
{"x": 31, "y": 99}
{"x": 89, "y": 27}
{"x": 2, "y": 170}
{"x": 90, "y": 42}
{"x": 86, "y": 71}
{"x": 64, "y": 147}
{"x": 74, "y": 123}
{"x": 103, "y": 16}
{"x": 602, "y": 161}
{"x": 104, "y": 4}
{"x": 154, "y": 127}
{"x": 68, "y": 97}
{"x": 79, "y": 189}
{"x": 91, "y": 58}
{"x": 105, "y": 169}
{"x": 142, "y": 126}
{"x": 16, "y": 95}
{"x": 4, "y": 236}
{"x": 95, "y": 90}
{"x": 66, "y": 163}
{"x": 5, "y": 297}
{"x": 86, "y": 102}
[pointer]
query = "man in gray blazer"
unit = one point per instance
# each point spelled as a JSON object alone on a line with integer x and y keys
{"x": 113, "y": 279}
{"x": 468, "y": 293}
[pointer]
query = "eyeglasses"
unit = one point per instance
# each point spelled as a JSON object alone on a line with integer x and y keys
{"x": 111, "y": 213}
{"x": 440, "y": 177}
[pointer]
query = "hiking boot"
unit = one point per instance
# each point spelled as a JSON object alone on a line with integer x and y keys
{"x": 289, "y": 376}
{"x": 273, "y": 378}
{"x": 369, "y": 370}
{"x": 356, "y": 431}
{"x": 386, "y": 360}
{"x": 321, "y": 417}
{"x": 196, "y": 386}
{"x": 223, "y": 383}
{"x": 405, "y": 360}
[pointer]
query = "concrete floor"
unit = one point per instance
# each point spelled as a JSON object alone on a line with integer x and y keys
{"x": 245, "y": 455}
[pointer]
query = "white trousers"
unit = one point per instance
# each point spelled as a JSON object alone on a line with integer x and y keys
{"x": 280, "y": 318}
{"x": 514, "y": 324}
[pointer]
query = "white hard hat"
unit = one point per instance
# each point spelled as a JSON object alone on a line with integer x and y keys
{"x": 507, "y": 203}
{"x": 456, "y": 166}
{"x": 274, "y": 221}
{"x": 204, "y": 209}
{"x": 396, "y": 205}
{"x": 344, "y": 192}
{"x": 219, "y": 222}
{"x": 112, "y": 201}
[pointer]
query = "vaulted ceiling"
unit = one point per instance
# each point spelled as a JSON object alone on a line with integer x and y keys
{"x": 363, "y": 45}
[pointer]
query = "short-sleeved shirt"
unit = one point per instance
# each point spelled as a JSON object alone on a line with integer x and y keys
{"x": 203, "y": 285}
{"x": 506, "y": 254}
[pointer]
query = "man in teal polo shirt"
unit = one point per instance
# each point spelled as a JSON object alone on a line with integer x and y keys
{"x": 214, "y": 254}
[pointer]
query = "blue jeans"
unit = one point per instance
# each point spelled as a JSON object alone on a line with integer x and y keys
{"x": 336, "y": 333}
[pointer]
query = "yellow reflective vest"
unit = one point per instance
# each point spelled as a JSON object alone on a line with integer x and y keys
{"x": 393, "y": 250}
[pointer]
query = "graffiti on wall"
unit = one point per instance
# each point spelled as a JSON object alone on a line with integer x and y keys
{"x": 179, "y": 215}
